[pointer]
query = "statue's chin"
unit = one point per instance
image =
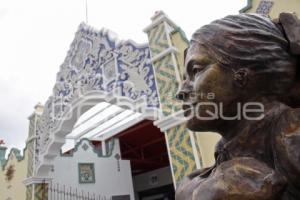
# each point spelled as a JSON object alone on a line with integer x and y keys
{"x": 196, "y": 125}
{"x": 200, "y": 125}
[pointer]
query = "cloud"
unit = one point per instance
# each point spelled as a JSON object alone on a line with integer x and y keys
{"x": 3, "y": 13}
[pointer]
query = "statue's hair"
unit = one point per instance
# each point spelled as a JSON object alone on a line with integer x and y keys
{"x": 255, "y": 42}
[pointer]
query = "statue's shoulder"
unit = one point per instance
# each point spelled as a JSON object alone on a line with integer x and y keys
{"x": 289, "y": 123}
{"x": 286, "y": 146}
{"x": 243, "y": 178}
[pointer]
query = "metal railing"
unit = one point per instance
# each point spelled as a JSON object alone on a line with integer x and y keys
{"x": 62, "y": 192}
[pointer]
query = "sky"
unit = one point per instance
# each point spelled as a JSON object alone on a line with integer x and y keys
{"x": 35, "y": 36}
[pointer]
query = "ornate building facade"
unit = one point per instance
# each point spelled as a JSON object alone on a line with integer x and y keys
{"x": 142, "y": 78}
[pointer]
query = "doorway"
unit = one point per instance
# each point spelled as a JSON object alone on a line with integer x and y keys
{"x": 145, "y": 146}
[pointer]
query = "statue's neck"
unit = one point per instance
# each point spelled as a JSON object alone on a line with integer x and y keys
{"x": 229, "y": 129}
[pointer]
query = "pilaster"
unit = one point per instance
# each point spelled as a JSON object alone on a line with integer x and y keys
{"x": 36, "y": 189}
{"x": 167, "y": 44}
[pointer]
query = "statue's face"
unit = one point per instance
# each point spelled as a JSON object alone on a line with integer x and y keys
{"x": 207, "y": 91}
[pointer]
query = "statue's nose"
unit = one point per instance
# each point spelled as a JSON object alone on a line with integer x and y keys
{"x": 184, "y": 91}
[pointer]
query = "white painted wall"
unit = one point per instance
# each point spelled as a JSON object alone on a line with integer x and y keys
{"x": 109, "y": 181}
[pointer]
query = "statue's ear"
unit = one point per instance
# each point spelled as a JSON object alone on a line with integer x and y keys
{"x": 291, "y": 26}
{"x": 240, "y": 77}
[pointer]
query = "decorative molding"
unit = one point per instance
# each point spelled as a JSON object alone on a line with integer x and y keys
{"x": 97, "y": 152}
{"x": 264, "y": 7}
{"x": 164, "y": 53}
{"x": 85, "y": 147}
{"x": 36, "y": 180}
{"x": 18, "y": 156}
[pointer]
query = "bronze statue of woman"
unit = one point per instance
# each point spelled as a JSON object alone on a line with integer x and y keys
{"x": 244, "y": 60}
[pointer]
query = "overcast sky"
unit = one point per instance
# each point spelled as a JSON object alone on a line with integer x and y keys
{"x": 35, "y": 36}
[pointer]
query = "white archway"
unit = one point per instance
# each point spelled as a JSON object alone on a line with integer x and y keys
{"x": 98, "y": 68}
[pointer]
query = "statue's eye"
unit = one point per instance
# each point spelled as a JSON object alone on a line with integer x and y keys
{"x": 197, "y": 68}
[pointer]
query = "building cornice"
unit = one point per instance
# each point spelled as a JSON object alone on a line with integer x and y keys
{"x": 164, "y": 53}
{"x": 36, "y": 180}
